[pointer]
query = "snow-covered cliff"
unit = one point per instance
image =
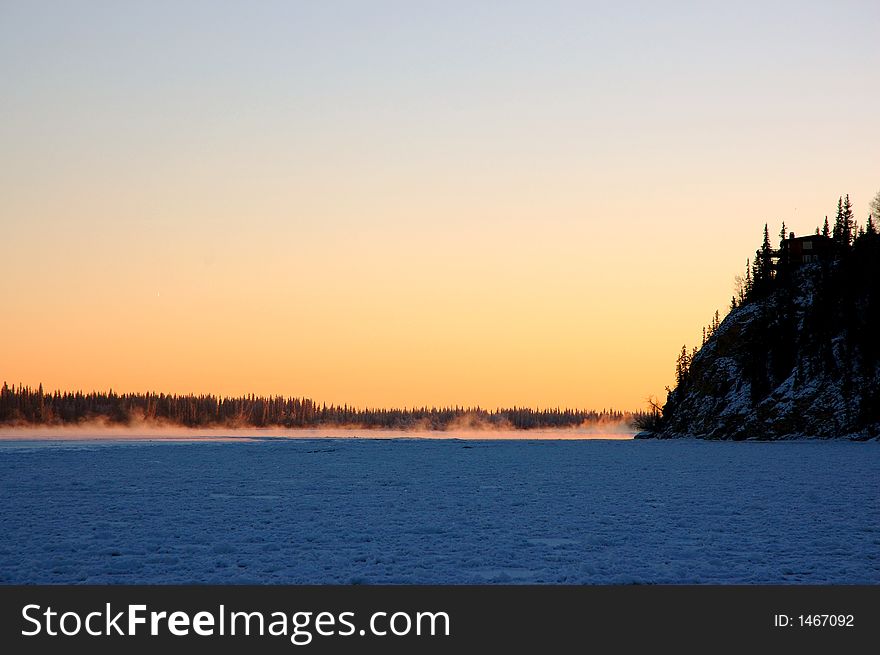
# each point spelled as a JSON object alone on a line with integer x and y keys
{"x": 802, "y": 361}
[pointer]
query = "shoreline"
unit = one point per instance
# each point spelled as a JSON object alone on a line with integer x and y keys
{"x": 175, "y": 434}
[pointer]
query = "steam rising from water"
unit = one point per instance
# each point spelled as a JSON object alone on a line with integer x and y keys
{"x": 468, "y": 427}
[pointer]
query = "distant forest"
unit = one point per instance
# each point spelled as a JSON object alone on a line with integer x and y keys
{"x": 24, "y": 406}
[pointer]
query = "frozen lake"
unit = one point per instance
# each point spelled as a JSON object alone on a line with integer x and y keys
{"x": 439, "y": 511}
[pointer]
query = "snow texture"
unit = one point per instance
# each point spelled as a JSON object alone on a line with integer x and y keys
{"x": 418, "y": 511}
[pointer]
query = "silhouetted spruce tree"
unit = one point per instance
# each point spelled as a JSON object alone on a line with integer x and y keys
{"x": 762, "y": 269}
{"x": 767, "y": 254}
{"x": 848, "y": 222}
{"x": 826, "y": 230}
{"x": 843, "y": 223}
{"x": 870, "y": 229}
{"x": 782, "y": 233}
{"x": 682, "y": 364}
{"x": 837, "y": 232}
{"x": 749, "y": 283}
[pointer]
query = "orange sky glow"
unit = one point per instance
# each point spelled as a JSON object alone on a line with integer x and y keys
{"x": 512, "y": 212}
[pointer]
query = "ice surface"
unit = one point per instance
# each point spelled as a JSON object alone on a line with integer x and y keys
{"x": 434, "y": 511}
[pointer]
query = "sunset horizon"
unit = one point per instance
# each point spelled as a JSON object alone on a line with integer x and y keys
{"x": 481, "y": 207}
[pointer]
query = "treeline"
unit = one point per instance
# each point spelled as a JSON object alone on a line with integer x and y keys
{"x": 770, "y": 270}
{"x": 24, "y": 406}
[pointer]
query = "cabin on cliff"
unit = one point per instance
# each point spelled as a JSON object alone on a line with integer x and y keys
{"x": 795, "y": 251}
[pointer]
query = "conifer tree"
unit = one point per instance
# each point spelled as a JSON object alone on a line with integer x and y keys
{"x": 749, "y": 282}
{"x": 870, "y": 228}
{"x": 782, "y": 233}
{"x": 826, "y": 231}
{"x": 762, "y": 269}
{"x": 837, "y": 232}
{"x": 681, "y": 367}
{"x": 848, "y": 223}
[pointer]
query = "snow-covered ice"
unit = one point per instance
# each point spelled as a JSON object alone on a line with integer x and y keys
{"x": 439, "y": 511}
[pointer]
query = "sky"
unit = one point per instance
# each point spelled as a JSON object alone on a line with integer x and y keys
{"x": 409, "y": 203}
